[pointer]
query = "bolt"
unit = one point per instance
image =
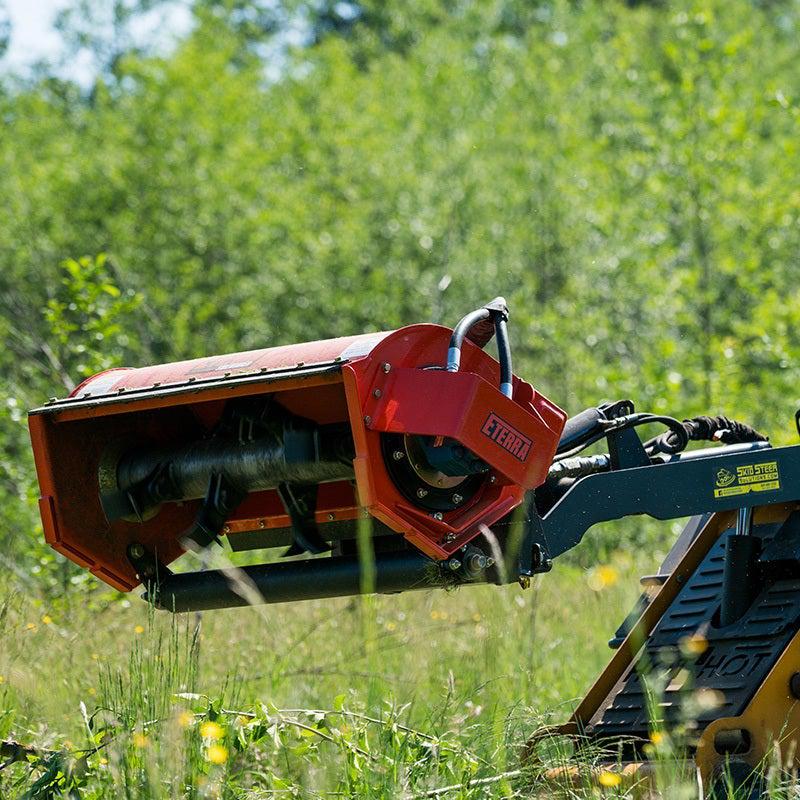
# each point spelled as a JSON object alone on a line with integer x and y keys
{"x": 451, "y": 537}
{"x": 398, "y": 455}
{"x": 457, "y": 498}
{"x": 331, "y": 516}
{"x": 136, "y": 550}
{"x": 437, "y": 515}
{"x": 386, "y": 366}
{"x": 377, "y": 393}
{"x": 490, "y": 562}
{"x": 262, "y": 524}
{"x": 476, "y": 562}
{"x": 422, "y": 493}
{"x": 368, "y": 420}
{"x": 493, "y": 479}
{"x": 454, "y": 564}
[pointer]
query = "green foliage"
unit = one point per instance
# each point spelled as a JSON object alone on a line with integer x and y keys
{"x": 624, "y": 173}
{"x": 621, "y": 172}
{"x": 80, "y": 330}
{"x": 87, "y": 318}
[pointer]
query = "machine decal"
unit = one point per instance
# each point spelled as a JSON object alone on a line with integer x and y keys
{"x": 748, "y": 478}
{"x": 508, "y": 437}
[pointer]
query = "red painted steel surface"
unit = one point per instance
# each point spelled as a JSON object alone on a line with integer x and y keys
{"x": 417, "y": 396}
{"x": 231, "y": 365}
{"x": 181, "y": 402}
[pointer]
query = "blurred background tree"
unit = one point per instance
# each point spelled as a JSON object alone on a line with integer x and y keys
{"x": 624, "y": 173}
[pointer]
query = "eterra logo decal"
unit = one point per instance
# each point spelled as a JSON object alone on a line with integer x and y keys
{"x": 507, "y": 436}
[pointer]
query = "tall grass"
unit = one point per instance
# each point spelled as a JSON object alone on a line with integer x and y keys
{"x": 429, "y": 694}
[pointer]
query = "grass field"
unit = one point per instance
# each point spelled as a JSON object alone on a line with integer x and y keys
{"x": 366, "y": 697}
{"x": 426, "y": 694}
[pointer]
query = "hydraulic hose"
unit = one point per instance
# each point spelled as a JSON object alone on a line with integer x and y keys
{"x": 497, "y": 311}
{"x": 504, "y": 353}
{"x": 460, "y": 333}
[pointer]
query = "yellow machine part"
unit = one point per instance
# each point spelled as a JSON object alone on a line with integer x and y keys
{"x": 771, "y": 719}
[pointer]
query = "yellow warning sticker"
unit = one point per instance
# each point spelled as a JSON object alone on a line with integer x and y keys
{"x": 750, "y": 478}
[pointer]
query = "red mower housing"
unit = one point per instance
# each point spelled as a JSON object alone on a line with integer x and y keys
{"x": 388, "y": 396}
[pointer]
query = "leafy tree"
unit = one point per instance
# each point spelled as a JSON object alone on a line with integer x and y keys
{"x": 5, "y": 29}
{"x": 622, "y": 173}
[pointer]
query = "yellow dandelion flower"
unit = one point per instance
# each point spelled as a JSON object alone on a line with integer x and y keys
{"x": 140, "y": 740}
{"x": 602, "y": 577}
{"x": 47, "y": 620}
{"x": 92, "y": 691}
{"x": 216, "y": 754}
{"x": 31, "y": 626}
{"x": 138, "y": 629}
{"x": 104, "y": 761}
{"x": 95, "y": 657}
{"x": 609, "y": 779}
{"x": 656, "y": 737}
{"x": 210, "y": 730}
{"x": 608, "y": 575}
{"x": 434, "y": 615}
{"x": 2, "y": 679}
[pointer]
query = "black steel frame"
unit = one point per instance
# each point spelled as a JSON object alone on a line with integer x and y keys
{"x": 681, "y": 487}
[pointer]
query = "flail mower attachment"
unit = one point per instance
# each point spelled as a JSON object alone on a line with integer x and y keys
{"x": 418, "y": 430}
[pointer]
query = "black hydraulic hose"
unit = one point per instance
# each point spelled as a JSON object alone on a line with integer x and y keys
{"x": 460, "y": 333}
{"x": 706, "y": 429}
{"x": 498, "y": 313}
{"x": 580, "y": 428}
{"x": 504, "y": 354}
{"x": 681, "y": 438}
